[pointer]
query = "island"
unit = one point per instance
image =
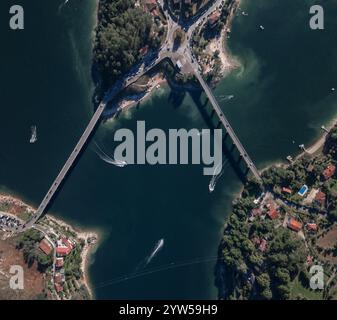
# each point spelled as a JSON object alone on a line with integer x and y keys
{"x": 148, "y": 43}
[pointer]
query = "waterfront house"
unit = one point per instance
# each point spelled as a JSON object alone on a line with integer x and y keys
{"x": 214, "y": 18}
{"x": 62, "y": 251}
{"x": 67, "y": 243}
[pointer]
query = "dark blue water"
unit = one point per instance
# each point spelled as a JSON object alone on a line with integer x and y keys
{"x": 282, "y": 93}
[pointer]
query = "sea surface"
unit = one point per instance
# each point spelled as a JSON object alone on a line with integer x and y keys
{"x": 282, "y": 96}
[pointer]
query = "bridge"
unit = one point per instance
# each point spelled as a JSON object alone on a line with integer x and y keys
{"x": 119, "y": 86}
{"x": 97, "y": 115}
{"x": 236, "y": 141}
{"x": 137, "y": 72}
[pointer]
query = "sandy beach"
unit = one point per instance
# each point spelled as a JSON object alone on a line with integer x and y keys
{"x": 86, "y": 251}
{"x": 155, "y": 82}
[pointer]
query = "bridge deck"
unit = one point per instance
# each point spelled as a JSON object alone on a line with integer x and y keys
{"x": 227, "y": 126}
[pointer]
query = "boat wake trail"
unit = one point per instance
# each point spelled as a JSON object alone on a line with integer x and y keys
{"x": 172, "y": 265}
{"x": 62, "y": 5}
{"x": 159, "y": 245}
{"x": 216, "y": 177}
{"x": 226, "y": 97}
{"x": 106, "y": 158}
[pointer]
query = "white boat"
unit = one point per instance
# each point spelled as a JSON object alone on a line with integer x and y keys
{"x": 120, "y": 163}
{"x": 159, "y": 245}
{"x": 261, "y": 27}
{"x": 33, "y": 137}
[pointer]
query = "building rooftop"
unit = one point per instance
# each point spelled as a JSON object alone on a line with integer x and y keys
{"x": 312, "y": 226}
{"x": 45, "y": 246}
{"x": 329, "y": 171}
{"x": 294, "y": 225}
{"x": 214, "y": 17}
{"x": 320, "y": 197}
{"x": 59, "y": 262}
{"x": 62, "y": 251}
{"x": 286, "y": 190}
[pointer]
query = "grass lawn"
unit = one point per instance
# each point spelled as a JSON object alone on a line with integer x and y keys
{"x": 24, "y": 215}
{"x": 298, "y": 289}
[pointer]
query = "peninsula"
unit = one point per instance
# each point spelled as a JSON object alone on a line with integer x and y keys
{"x": 171, "y": 33}
{"x": 54, "y": 256}
{"x": 282, "y": 227}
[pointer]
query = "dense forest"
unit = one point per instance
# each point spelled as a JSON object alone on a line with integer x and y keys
{"x": 241, "y": 261}
{"x": 122, "y": 31}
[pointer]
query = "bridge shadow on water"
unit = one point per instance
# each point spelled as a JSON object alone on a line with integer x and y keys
{"x": 228, "y": 148}
{"x": 211, "y": 120}
{"x": 177, "y": 96}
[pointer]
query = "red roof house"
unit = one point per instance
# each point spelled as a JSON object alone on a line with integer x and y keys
{"x": 294, "y": 225}
{"x": 329, "y": 171}
{"x": 312, "y": 226}
{"x": 46, "y": 247}
{"x": 320, "y": 198}
{"x": 67, "y": 243}
{"x": 59, "y": 262}
{"x": 273, "y": 213}
{"x": 286, "y": 190}
{"x": 62, "y": 251}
